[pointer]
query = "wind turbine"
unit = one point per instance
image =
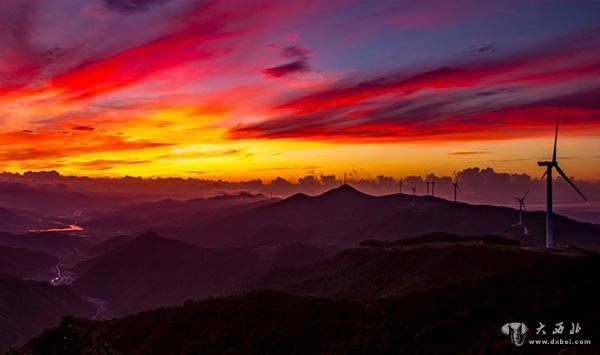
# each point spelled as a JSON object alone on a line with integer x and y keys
{"x": 521, "y": 207}
{"x": 548, "y": 174}
{"x": 428, "y": 188}
{"x": 433, "y": 188}
{"x": 456, "y": 186}
{"x": 400, "y": 186}
{"x": 414, "y": 191}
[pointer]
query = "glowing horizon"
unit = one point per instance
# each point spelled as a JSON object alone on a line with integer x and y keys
{"x": 88, "y": 88}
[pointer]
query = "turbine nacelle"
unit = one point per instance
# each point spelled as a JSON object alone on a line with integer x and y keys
{"x": 547, "y": 163}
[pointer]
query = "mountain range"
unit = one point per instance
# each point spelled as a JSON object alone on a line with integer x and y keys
{"x": 371, "y": 266}
{"x": 141, "y": 272}
{"x": 345, "y": 216}
{"x": 370, "y": 300}
{"x": 169, "y": 213}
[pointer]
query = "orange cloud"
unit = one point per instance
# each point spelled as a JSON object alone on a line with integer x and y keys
{"x": 42, "y": 147}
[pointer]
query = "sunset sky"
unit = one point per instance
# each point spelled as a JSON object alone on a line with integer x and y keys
{"x": 258, "y": 89}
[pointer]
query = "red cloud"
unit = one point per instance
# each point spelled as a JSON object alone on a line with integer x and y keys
{"x": 133, "y": 65}
{"x": 495, "y": 99}
{"x": 205, "y": 32}
{"x": 83, "y": 128}
{"x": 513, "y": 123}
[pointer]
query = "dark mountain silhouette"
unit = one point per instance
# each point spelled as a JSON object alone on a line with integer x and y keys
{"x": 462, "y": 313}
{"x": 58, "y": 244}
{"x": 51, "y": 200}
{"x": 440, "y": 237}
{"x": 138, "y": 272}
{"x": 346, "y": 216}
{"x": 175, "y": 208}
{"x": 150, "y": 271}
{"x": 26, "y": 264}
{"x": 114, "y": 224}
{"x": 468, "y": 272}
{"x": 28, "y": 307}
{"x": 172, "y": 213}
{"x": 381, "y": 269}
{"x": 106, "y": 246}
{"x": 289, "y": 255}
{"x": 20, "y": 221}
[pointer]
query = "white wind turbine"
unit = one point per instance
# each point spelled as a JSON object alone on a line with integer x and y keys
{"x": 548, "y": 174}
{"x": 521, "y": 207}
{"x": 456, "y": 186}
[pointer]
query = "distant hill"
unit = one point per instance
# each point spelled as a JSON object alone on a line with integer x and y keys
{"x": 174, "y": 208}
{"x": 412, "y": 266}
{"x": 150, "y": 271}
{"x": 440, "y": 237}
{"x": 51, "y": 200}
{"x": 12, "y": 220}
{"x": 26, "y": 264}
{"x": 139, "y": 272}
{"x": 53, "y": 243}
{"x": 345, "y": 216}
{"x": 172, "y": 213}
{"x": 108, "y": 245}
{"x": 463, "y": 315}
{"x": 28, "y": 307}
{"x": 290, "y": 255}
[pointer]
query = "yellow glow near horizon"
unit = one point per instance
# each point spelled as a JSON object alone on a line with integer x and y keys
{"x": 292, "y": 159}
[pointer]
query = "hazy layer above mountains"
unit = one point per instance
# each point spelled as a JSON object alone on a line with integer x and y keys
{"x": 53, "y": 195}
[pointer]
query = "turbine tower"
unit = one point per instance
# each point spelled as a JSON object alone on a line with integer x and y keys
{"x": 521, "y": 207}
{"x": 456, "y": 186}
{"x": 548, "y": 174}
{"x": 433, "y": 188}
{"x": 400, "y": 186}
{"x": 427, "y": 188}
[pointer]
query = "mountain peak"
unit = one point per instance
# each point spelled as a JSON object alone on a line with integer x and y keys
{"x": 344, "y": 191}
{"x": 150, "y": 243}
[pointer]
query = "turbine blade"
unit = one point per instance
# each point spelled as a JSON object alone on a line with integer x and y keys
{"x": 523, "y": 198}
{"x": 544, "y": 174}
{"x": 458, "y": 187}
{"x": 562, "y": 173}
{"x": 556, "y": 137}
{"x": 524, "y": 207}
